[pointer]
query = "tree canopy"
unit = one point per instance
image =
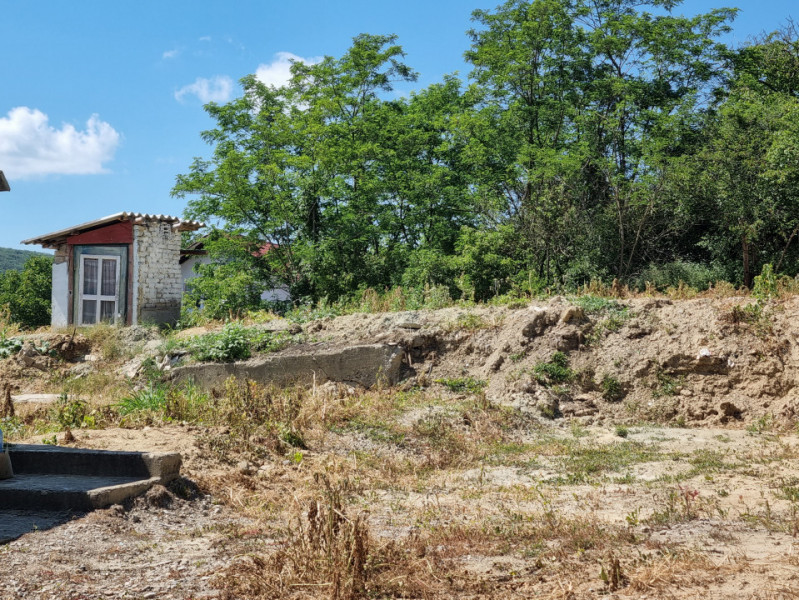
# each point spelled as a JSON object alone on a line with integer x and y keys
{"x": 593, "y": 139}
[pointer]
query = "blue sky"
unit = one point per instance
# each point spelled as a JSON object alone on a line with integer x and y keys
{"x": 101, "y": 101}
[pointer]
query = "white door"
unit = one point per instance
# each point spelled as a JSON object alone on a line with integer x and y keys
{"x": 99, "y": 289}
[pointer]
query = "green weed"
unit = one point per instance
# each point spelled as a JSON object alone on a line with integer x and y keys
{"x": 464, "y": 384}
{"x": 612, "y": 390}
{"x": 556, "y": 370}
{"x": 232, "y": 343}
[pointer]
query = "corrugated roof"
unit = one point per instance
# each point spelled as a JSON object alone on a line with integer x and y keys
{"x": 49, "y": 239}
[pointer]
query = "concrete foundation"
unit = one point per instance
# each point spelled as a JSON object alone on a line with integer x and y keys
{"x": 363, "y": 365}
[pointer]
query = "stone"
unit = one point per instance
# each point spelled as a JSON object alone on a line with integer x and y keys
{"x": 541, "y": 320}
{"x": 573, "y": 313}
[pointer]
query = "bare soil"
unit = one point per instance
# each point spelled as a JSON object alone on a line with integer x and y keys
{"x": 681, "y": 482}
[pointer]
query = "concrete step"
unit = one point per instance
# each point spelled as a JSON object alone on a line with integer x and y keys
{"x": 52, "y": 481}
{"x": 79, "y": 493}
{"x": 59, "y": 460}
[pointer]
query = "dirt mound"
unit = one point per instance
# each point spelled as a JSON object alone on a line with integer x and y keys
{"x": 716, "y": 362}
{"x": 725, "y": 362}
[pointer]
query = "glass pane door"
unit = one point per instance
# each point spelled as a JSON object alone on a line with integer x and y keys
{"x": 99, "y": 285}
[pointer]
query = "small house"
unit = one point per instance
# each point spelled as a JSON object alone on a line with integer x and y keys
{"x": 124, "y": 269}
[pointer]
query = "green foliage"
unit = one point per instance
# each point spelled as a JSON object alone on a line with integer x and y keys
{"x": 70, "y": 412}
{"x": 592, "y": 305}
{"x": 612, "y": 389}
{"x": 14, "y": 260}
{"x": 221, "y": 291}
{"x": 464, "y": 384}
{"x": 9, "y": 346}
{"x": 555, "y": 371}
{"x": 766, "y": 286}
{"x": 151, "y": 399}
{"x": 665, "y": 385}
{"x": 695, "y": 275}
{"x": 27, "y": 293}
{"x": 229, "y": 344}
{"x": 593, "y": 141}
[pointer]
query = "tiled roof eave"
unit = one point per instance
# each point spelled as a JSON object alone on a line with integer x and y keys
{"x": 50, "y": 240}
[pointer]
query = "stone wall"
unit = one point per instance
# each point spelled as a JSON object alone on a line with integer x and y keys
{"x": 158, "y": 285}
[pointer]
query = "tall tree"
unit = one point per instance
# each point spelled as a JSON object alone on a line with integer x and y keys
{"x": 594, "y": 100}
{"x": 749, "y": 168}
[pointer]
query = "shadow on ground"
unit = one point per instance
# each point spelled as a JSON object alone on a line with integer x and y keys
{"x": 16, "y": 523}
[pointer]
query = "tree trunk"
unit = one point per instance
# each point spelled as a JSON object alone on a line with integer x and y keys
{"x": 747, "y": 266}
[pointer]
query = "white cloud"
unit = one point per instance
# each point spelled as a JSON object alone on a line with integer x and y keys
{"x": 170, "y": 54}
{"x": 278, "y": 72}
{"x": 216, "y": 89}
{"x": 30, "y": 146}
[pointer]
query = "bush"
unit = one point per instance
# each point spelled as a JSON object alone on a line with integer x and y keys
{"x": 26, "y": 294}
{"x": 221, "y": 291}
{"x": 611, "y": 389}
{"x": 693, "y": 275}
{"x": 555, "y": 371}
{"x": 70, "y": 413}
{"x": 232, "y": 343}
{"x": 151, "y": 399}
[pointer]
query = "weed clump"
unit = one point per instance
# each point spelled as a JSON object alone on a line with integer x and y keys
{"x": 256, "y": 420}
{"x": 326, "y": 549}
{"x": 463, "y": 384}
{"x": 232, "y": 343}
{"x": 612, "y": 390}
{"x": 555, "y": 371}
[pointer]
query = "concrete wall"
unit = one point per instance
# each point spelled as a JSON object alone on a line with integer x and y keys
{"x": 59, "y": 297}
{"x": 157, "y": 282}
{"x": 365, "y": 365}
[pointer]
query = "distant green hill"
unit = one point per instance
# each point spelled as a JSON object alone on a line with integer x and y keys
{"x": 15, "y": 259}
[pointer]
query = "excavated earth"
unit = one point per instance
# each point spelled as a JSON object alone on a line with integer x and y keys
{"x": 673, "y": 433}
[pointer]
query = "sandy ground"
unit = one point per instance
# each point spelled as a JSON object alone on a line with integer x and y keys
{"x": 726, "y": 498}
{"x": 683, "y": 483}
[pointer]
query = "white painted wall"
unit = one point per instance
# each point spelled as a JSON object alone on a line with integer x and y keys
{"x": 133, "y": 279}
{"x": 60, "y": 296}
{"x": 187, "y": 268}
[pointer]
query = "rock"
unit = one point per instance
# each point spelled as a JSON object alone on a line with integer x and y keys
{"x": 494, "y": 361}
{"x": 540, "y": 322}
{"x": 409, "y": 325}
{"x": 566, "y": 337}
{"x": 572, "y": 314}
{"x": 81, "y": 370}
{"x": 729, "y": 410}
{"x": 548, "y": 404}
{"x": 244, "y": 468}
{"x": 132, "y": 368}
